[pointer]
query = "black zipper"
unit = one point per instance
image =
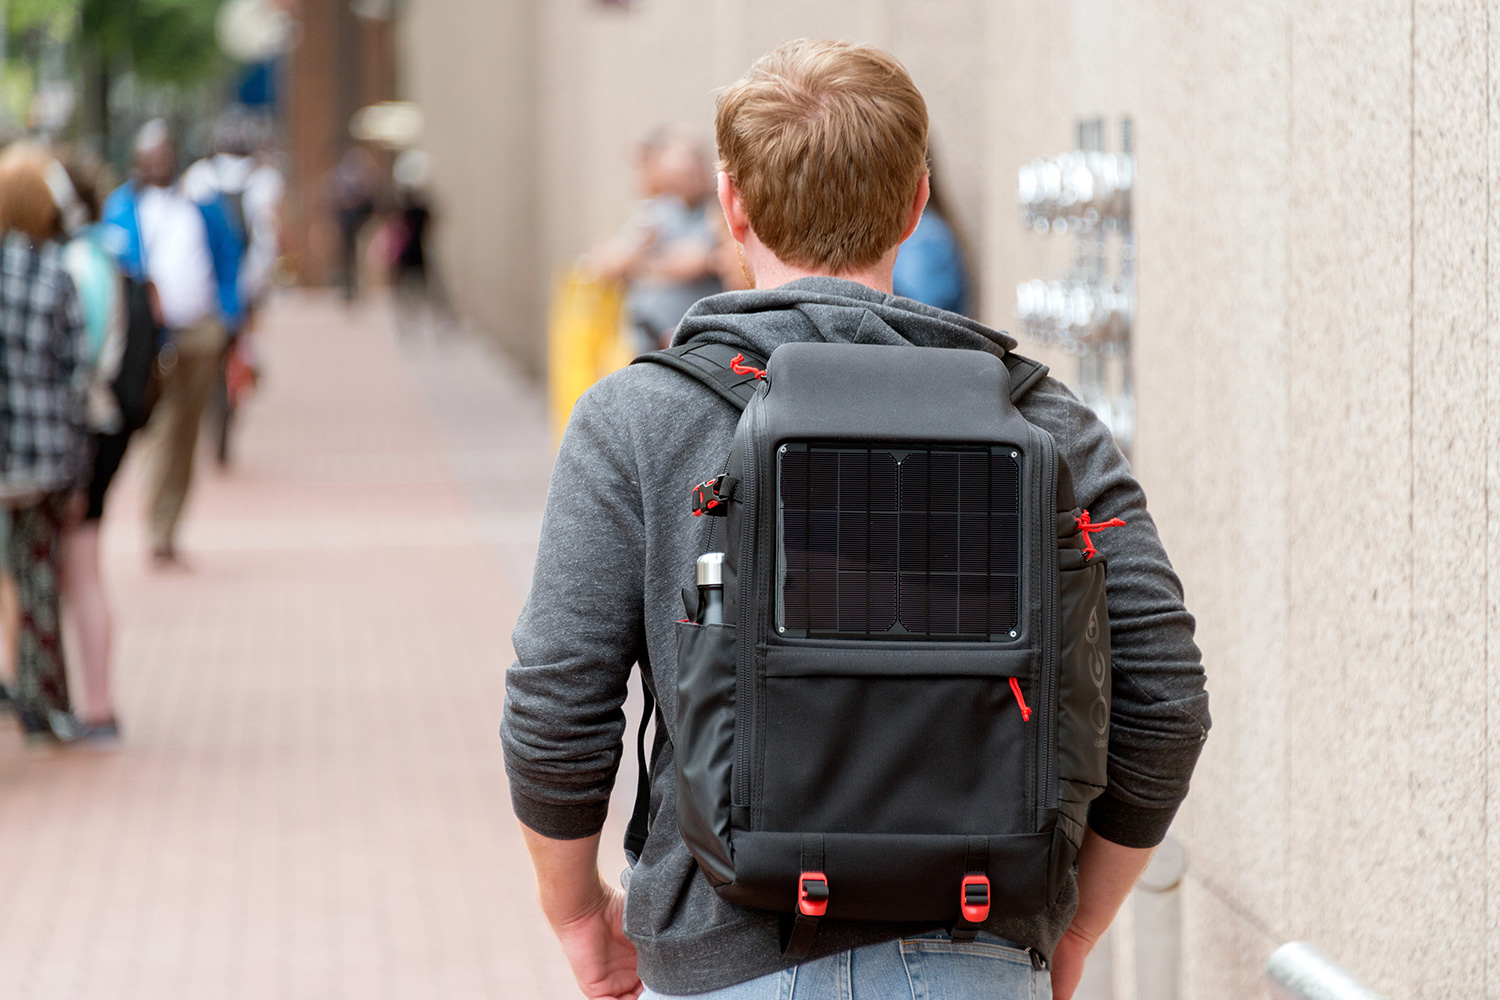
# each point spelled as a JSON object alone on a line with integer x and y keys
{"x": 765, "y": 614}
{"x": 744, "y": 670}
{"x": 1050, "y": 611}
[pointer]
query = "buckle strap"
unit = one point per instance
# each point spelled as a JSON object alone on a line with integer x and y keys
{"x": 812, "y": 901}
{"x": 973, "y": 890}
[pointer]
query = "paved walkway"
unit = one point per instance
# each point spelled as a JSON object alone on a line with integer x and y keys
{"x": 310, "y": 801}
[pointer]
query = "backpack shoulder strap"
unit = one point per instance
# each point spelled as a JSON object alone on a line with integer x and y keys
{"x": 1024, "y": 374}
{"x": 728, "y": 371}
{"x": 732, "y": 373}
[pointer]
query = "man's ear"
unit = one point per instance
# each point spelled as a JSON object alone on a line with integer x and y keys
{"x": 924, "y": 190}
{"x": 734, "y": 208}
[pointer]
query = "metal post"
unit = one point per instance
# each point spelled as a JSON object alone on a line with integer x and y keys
{"x": 1158, "y": 924}
{"x": 1298, "y": 971}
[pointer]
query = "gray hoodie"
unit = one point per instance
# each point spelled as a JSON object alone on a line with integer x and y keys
{"x": 619, "y": 544}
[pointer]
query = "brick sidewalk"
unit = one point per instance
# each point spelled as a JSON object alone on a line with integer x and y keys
{"x": 310, "y": 801}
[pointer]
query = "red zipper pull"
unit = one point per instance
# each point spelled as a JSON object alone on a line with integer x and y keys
{"x": 1088, "y": 527}
{"x": 1015, "y": 689}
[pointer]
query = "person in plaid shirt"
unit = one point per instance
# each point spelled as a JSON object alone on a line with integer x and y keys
{"x": 43, "y": 386}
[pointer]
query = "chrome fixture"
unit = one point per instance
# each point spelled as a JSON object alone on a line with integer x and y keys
{"x": 1298, "y": 971}
{"x": 1091, "y": 310}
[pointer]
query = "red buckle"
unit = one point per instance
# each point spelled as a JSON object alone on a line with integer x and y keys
{"x": 812, "y": 894}
{"x": 974, "y": 898}
{"x": 710, "y": 496}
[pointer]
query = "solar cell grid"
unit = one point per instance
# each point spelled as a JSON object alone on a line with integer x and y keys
{"x": 889, "y": 542}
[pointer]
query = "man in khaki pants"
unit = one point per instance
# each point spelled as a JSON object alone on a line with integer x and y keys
{"x": 190, "y": 251}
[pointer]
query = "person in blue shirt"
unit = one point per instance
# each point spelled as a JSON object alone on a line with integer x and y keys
{"x": 189, "y": 252}
{"x": 930, "y": 266}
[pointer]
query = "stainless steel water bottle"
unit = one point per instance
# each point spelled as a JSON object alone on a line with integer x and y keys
{"x": 711, "y": 588}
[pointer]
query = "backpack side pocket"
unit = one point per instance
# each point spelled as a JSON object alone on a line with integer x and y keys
{"x": 704, "y": 751}
{"x": 1084, "y": 690}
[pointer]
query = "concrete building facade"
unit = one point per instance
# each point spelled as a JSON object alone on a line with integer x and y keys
{"x": 1318, "y": 377}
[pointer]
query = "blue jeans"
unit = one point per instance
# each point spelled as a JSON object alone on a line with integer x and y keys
{"x": 927, "y": 967}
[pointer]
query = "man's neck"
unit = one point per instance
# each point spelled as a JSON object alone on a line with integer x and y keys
{"x": 769, "y": 271}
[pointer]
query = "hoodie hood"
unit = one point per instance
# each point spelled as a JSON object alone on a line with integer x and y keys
{"x": 833, "y": 311}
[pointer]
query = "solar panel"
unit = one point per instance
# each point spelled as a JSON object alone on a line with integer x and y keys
{"x": 886, "y": 541}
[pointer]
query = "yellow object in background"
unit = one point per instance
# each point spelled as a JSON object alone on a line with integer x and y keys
{"x": 584, "y": 340}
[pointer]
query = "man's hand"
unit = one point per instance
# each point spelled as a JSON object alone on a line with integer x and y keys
{"x": 587, "y": 915}
{"x": 602, "y": 958}
{"x": 1067, "y": 963}
{"x": 1106, "y": 874}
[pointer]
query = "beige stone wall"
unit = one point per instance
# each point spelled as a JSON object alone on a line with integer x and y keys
{"x": 473, "y": 67}
{"x": 1317, "y": 371}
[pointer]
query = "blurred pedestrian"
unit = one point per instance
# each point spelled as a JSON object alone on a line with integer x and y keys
{"x": 243, "y": 177}
{"x": 351, "y": 189}
{"x": 665, "y": 252}
{"x": 931, "y": 265}
{"x": 43, "y": 387}
{"x": 76, "y": 186}
{"x": 243, "y": 172}
{"x": 729, "y": 265}
{"x": 417, "y": 286}
{"x": 189, "y": 251}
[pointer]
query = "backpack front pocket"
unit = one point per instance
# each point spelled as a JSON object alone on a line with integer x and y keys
{"x": 911, "y": 741}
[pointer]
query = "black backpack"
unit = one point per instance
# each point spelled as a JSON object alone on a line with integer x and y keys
{"x": 906, "y": 713}
{"x": 137, "y": 385}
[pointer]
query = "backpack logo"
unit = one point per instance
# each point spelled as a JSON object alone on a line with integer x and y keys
{"x": 1099, "y": 711}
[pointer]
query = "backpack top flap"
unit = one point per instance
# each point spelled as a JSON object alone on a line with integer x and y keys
{"x": 859, "y": 391}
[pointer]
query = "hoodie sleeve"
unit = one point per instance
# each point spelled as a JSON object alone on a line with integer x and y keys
{"x": 580, "y": 632}
{"x": 1159, "y": 713}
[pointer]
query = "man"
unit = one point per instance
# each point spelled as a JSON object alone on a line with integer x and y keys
{"x": 244, "y": 180}
{"x": 823, "y": 152}
{"x": 350, "y": 189}
{"x": 250, "y": 190}
{"x": 190, "y": 253}
{"x": 665, "y": 252}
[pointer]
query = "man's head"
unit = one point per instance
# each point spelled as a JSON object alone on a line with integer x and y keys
{"x": 673, "y": 161}
{"x": 232, "y": 133}
{"x": 155, "y": 159}
{"x": 825, "y": 146}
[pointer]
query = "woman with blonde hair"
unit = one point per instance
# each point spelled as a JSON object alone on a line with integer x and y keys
{"x": 43, "y": 387}
{"x": 77, "y": 180}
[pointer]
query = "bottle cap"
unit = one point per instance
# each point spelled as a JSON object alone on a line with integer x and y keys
{"x": 711, "y": 569}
